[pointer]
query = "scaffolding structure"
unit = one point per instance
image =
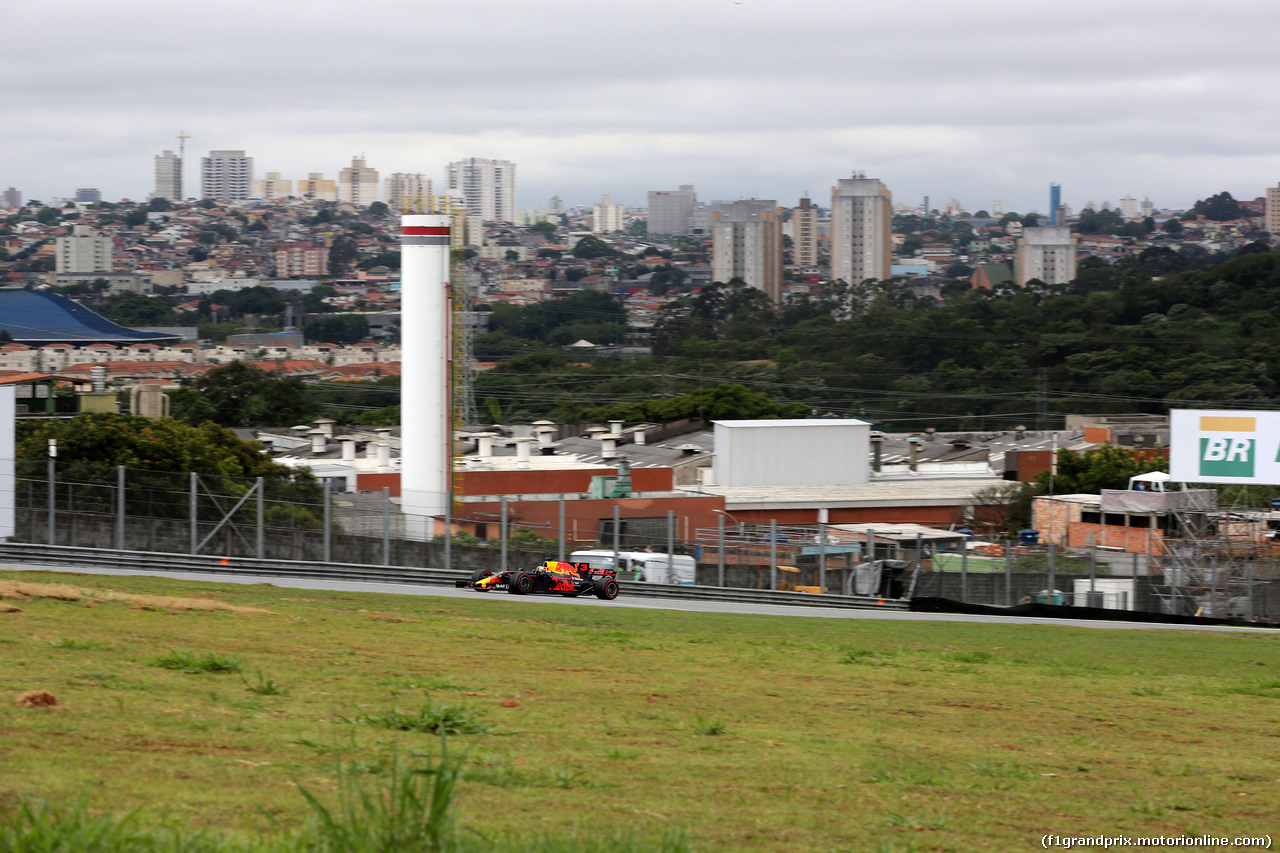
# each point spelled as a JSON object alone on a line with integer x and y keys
{"x": 1213, "y": 565}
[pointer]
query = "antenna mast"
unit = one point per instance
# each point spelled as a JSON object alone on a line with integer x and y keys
{"x": 182, "y": 159}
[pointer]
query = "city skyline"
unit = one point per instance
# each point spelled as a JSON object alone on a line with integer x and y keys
{"x": 980, "y": 102}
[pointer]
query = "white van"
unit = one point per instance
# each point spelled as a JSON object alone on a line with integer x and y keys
{"x": 643, "y": 566}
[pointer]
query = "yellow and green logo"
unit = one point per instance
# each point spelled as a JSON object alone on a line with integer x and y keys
{"x": 1229, "y": 455}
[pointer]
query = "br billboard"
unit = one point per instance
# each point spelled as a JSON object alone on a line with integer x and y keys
{"x": 1224, "y": 446}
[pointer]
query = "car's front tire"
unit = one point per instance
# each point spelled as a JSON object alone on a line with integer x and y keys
{"x": 521, "y": 584}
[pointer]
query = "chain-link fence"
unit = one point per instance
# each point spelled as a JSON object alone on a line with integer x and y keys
{"x": 128, "y": 509}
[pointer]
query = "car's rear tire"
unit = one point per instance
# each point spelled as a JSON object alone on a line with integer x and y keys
{"x": 606, "y": 588}
{"x": 521, "y": 584}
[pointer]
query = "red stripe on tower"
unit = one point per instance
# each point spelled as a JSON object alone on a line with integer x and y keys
{"x": 422, "y": 230}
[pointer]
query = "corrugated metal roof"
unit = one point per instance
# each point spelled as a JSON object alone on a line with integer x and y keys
{"x": 37, "y": 317}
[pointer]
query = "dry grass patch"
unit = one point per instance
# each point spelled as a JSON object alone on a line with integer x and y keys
{"x": 23, "y": 591}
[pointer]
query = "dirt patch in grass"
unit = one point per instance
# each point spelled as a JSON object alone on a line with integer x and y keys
{"x": 22, "y": 591}
{"x": 37, "y": 699}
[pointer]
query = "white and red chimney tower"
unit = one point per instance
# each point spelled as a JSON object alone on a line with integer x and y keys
{"x": 426, "y": 356}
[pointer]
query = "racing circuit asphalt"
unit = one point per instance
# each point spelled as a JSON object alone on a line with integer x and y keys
{"x": 502, "y": 599}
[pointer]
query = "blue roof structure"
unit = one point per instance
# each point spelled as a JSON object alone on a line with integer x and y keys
{"x": 36, "y": 317}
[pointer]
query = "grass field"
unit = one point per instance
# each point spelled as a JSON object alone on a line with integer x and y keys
{"x": 210, "y": 704}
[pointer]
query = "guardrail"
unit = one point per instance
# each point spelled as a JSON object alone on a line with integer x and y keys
{"x": 22, "y": 553}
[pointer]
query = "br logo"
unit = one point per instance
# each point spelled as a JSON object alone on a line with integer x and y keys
{"x": 1226, "y": 457}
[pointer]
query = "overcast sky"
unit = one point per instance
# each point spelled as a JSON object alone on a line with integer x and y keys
{"x": 981, "y": 101}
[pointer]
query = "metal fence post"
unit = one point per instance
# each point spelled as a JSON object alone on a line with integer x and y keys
{"x": 560, "y": 556}
{"x": 822, "y": 557}
{"x": 1008, "y": 578}
{"x": 448, "y": 529}
{"x": 671, "y": 548}
{"x": 53, "y": 497}
{"x": 1093, "y": 573}
{"x": 773, "y": 553}
{"x": 964, "y": 572}
{"x": 119, "y": 507}
{"x": 502, "y": 532}
{"x": 262, "y": 518}
{"x": 617, "y": 525}
{"x": 386, "y": 526}
{"x": 1213, "y": 586}
{"x": 720, "y": 551}
{"x": 1052, "y": 554}
{"x": 328, "y": 511}
{"x": 1248, "y": 569}
{"x": 194, "y": 513}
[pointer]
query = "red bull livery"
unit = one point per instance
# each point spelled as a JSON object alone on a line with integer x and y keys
{"x": 553, "y": 577}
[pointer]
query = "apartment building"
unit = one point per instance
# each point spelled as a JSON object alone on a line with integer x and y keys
{"x": 861, "y": 229}
{"x": 226, "y": 175}
{"x": 484, "y": 186}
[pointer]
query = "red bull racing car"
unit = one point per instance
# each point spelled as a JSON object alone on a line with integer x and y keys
{"x": 555, "y": 577}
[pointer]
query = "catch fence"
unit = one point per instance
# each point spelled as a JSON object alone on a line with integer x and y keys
{"x": 129, "y": 509}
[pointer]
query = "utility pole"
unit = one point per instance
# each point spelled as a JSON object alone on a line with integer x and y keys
{"x": 1042, "y": 402}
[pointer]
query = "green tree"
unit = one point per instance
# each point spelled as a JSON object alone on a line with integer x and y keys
{"x": 379, "y": 208}
{"x": 94, "y": 440}
{"x": 1220, "y": 208}
{"x": 239, "y": 394}
{"x": 342, "y": 254}
{"x": 134, "y": 309}
{"x": 547, "y": 229}
{"x": 47, "y": 216}
{"x": 337, "y": 329}
{"x": 1109, "y": 466}
{"x": 592, "y": 247}
{"x": 135, "y": 217}
{"x": 160, "y": 455}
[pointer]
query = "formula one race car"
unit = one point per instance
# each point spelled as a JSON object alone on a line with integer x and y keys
{"x": 553, "y": 576}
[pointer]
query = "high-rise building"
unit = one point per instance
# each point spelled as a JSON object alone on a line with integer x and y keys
{"x": 671, "y": 210}
{"x": 861, "y": 230}
{"x": 410, "y": 186}
{"x": 1047, "y": 253}
{"x": 273, "y": 186}
{"x": 89, "y": 195}
{"x": 606, "y": 217}
{"x": 1146, "y": 208}
{"x": 746, "y": 243}
{"x": 1271, "y": 216}
{"x": 1128, "y": 207}
{"x": 12, "y": 198}
{"x": 83, "y": 251}
{"x": 226, "y": 175}
{"x": 1055, "y": 202}
{"x": 316, "y": 186}
{"x": 486, "y": 187}
{"x": 168, "y": 177}
{"x": 358, "y": 183}
{"x": 804, "y": 235}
